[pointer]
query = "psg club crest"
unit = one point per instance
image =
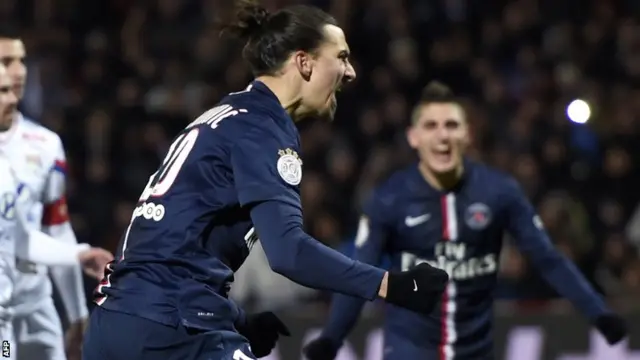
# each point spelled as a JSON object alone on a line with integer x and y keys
{"x": 478, "y": 216}
{"x": 289, "y": 166}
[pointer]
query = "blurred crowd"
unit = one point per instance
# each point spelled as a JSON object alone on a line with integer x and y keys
{"x": 118, "y": 78}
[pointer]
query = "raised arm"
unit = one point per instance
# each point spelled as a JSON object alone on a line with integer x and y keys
{"x": 530, "y": 237}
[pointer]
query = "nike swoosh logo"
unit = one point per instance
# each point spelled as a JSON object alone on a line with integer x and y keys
{"x": 415, "y": 286}
{"x": 412, "y": 221}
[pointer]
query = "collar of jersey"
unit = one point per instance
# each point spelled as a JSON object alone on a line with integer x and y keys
{"x": 281, "y": 113}
{"x": 424, "y": 186}
{"x": 262, "y": 88}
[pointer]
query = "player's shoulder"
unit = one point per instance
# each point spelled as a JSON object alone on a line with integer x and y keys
{"x": 489, "y": 178}
{"x": 256, "y": 112}
{"x": 397, "y": 184}
{"x": 399, "y": 179}
{"x": 38, "y": 134}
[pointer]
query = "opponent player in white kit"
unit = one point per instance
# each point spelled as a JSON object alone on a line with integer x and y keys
{"x": 20, "y": 241}
{"x": 37, "y": 156}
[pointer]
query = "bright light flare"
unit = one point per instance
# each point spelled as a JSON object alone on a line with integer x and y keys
{"x": 579, "y": 111}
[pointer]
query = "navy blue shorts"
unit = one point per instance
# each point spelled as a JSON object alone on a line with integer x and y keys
{"x": 114, "y": 335}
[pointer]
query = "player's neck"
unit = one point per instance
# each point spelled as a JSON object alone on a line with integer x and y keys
{"x": 287, "y": 93}
{"x": 6, "y": 127}
{"x": 443, "y": 181}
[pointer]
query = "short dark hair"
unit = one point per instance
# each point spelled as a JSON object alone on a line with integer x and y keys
{"x": 9, "y": 31}
{"x": 434, "y": 93}
{"x": 272, "y": 37}
{"x": 437, "y": 92}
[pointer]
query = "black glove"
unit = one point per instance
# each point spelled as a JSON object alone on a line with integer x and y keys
{"x": 321, "y": 349}
{"x": 612, "y": 327}
{"x": 262, "y": 330}
{"x": 418, "y": 289}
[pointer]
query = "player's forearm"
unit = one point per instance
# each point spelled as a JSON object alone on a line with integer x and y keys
{"x": 532, "y": 239}
{"x": 567, "y": 280}
{"x": 43, "y": 249}
{"x": 68, "y": 279}
{"x": 301, "y": 258}
{"x": 320, "y": 267}
{"x": 345, "y": 310}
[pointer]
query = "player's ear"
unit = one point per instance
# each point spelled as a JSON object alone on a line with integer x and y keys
{"x": 412, "y": 136}
{"x": 304, "y": 63}
{"x": 467, "y": 138}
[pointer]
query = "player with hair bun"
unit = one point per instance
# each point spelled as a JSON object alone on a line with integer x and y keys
{"x": 230, "y": 177}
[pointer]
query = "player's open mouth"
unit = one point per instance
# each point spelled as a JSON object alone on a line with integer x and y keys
{"x": 442, "y": 155}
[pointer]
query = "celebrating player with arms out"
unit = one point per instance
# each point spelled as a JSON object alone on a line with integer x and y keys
{"x": 38, "y": 159}
{"x": 230, "y": 177}
{"x": 452, "y": 212}
{"x": 19, "y": 241}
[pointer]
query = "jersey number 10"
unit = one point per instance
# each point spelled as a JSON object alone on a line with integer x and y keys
{"x": 160, "y": 182}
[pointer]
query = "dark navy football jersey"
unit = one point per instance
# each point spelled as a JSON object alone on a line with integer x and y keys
{"x": 460, "y": 231}
{"x": 190, "y": 231}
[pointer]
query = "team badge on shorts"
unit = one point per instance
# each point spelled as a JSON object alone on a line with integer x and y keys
{"x": 289, "y": 166}
{"x": 478, "y": 216}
